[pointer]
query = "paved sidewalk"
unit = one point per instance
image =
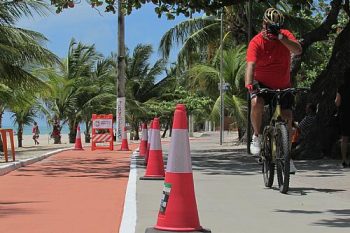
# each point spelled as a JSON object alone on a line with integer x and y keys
{"x": 231, "y": 196}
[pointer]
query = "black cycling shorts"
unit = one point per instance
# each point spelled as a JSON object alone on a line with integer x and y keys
{"x": 287, "y": 99}
{"x": 344, "y": 123}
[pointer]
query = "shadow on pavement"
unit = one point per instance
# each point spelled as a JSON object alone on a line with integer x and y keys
{"x": 7, "y": 211}
{"x": 216, "y": 162}
{"x": 342, "y": 219}
{"x": 305, "y": 190}
{"x": 103, "y": 168}
{"x": 336, "y": 222}
{"x": 237, "y": 162}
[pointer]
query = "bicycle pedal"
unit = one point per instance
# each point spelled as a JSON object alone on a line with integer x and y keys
{"x": 259, "y": 160}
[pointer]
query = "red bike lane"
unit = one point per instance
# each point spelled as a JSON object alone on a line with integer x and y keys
{"x": 70, "y": 192}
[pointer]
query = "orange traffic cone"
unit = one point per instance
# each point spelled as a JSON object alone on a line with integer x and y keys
{"x": 155, "y": 164}
{"x": 124, "y": 146}
{"x": 78, "y": 144}
{"x": 178, "y": 208}
{"x": 144, "y": 139}
{"x": 148, "y": 142}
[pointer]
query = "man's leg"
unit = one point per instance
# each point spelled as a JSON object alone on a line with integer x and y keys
{"x": 344, "y": 148}
{"x": 256, "y": 114}
{"x": 257, "y": 108}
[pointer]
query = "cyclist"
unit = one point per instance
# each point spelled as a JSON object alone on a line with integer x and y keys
{"x": 268, "y": 64}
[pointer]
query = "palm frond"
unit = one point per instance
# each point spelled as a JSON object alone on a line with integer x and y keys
{"x": 178, "y": 34}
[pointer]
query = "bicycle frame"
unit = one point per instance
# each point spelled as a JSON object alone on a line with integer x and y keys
{"x": 275, "y": 149}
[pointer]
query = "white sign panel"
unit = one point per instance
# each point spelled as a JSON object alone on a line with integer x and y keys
{"x": 102, "y": 123}
{"x": 120, "y": 117}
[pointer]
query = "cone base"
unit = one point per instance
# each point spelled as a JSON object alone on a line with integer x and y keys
{"x": 124, "y": 150}
{"x": 153, "y": 230}
{"x": 151, "y": 178}
{"x": 78, "y": 149}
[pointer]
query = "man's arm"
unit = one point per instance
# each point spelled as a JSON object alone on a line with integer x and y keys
{"x": 337, "y": 99}
{"x": 292, "y": 45}
{"x": 249, "y": 74}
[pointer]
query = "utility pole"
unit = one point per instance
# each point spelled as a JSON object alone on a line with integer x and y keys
{"x": 221, "y": 80}
{"x": 120, "y": 114}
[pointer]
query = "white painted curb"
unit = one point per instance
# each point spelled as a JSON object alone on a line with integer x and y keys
{"x": 128, "y": 223}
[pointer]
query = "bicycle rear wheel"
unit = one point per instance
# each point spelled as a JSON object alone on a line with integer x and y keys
{"x": 268, "y": 166}
{"x": 282, "y": 157}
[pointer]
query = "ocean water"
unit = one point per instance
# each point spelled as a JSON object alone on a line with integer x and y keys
{"x": 7, "y": 123}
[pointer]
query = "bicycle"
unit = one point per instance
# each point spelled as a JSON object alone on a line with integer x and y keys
{"x": 275, "y": 148}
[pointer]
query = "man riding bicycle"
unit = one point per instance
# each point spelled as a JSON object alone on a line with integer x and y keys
{"x": 268, "y": 64}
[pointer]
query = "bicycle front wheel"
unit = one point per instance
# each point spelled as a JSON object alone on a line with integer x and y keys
{"x": 268, "y": 166}
{"x": 282, "y": 156}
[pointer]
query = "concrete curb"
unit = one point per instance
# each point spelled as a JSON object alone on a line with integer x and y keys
{"x": 13, "y": 166}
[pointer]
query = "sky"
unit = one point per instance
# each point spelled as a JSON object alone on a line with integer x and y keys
{"x": 85, "y": 24}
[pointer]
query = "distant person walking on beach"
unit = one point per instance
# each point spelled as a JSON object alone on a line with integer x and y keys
{"x": 36, "y": 133}
{"x": 56, "y": 132}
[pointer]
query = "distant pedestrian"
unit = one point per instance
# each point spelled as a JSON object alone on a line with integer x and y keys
{"x": 342, "y": 101}
{"x": 56, "y": 132}
{"x": 36, "y": 133}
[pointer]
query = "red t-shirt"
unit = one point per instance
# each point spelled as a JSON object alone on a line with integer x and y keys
{"x": 272, "y": 60}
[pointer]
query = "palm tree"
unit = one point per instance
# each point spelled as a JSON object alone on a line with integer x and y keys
{"x": 141, "y": 83}
{"x": 20, "y": 49}
{"x": 97, "y": 94}
{"x": 24, "y": 115}
{"x": 65, "y": 81}
{"x": 204, "y": 79}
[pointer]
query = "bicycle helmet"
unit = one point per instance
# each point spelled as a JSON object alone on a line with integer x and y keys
{"x": 274, "y": 17}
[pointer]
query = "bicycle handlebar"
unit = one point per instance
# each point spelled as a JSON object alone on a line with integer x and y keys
{"x": 292, "y": 90}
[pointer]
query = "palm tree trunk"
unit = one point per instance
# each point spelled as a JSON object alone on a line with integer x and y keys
{"x": 121, "y": 70}
{"x": 87, "y": 132}
{"x": 137, "y": 135}
{"x": 20, "y": 135}
{"x": 72, "y": 131}
{"x": 166, "y": 129}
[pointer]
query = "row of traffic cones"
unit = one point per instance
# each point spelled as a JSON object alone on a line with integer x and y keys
{"x": 178, "y": 208}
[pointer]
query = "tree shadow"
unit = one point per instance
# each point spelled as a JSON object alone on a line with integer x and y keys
{"x": 320, "y": 168}
{"x": 6, "y": 211}
{"x": 306, "y": 190}
{"x": 217, "y": 162}
{"x": 100, "y": 168}
{"x": 341, "y": 219}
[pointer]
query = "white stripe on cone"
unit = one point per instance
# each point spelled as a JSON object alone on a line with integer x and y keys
{"x": 144, "y": 135}
{"x": 78, "y": 133}
{"x": 155, "y": 140}
{"x": 179, "y": 159}
{"x": 125, "y": 134}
